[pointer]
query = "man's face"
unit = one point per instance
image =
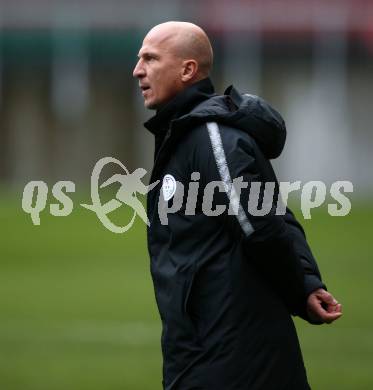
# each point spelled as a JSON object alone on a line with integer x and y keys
{"x": 158, "y": 70}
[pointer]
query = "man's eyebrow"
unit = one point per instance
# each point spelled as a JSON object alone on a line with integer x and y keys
{"x": 148, "y": 54}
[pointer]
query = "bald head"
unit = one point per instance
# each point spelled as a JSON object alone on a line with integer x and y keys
{"x": 187, "y": 41}
{"x": 173, "y": 56}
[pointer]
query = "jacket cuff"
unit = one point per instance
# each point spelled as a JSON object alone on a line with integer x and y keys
{"x": 312, "y": 283}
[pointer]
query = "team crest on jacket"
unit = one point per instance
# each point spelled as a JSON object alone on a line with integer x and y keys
{"x": 168, "y": 187}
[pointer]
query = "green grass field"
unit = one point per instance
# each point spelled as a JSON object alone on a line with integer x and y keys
{"x": 77, "y": 308}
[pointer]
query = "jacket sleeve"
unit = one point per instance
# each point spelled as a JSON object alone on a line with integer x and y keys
{"x": 312, "y": 276}
{"x": 274, "y": 243}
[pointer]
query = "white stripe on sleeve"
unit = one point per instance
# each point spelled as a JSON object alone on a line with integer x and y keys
{"x": 221, "y": 162}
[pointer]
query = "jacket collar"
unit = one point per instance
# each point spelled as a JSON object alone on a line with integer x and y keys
{"x": 180, "y": 105}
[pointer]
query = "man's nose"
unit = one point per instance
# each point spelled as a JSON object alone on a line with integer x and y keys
{"x": 138, "y": 70}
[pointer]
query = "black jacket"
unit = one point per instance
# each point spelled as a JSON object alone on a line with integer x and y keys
{"x": 225, "y": 285}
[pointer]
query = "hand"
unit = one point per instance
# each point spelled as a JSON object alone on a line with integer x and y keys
{"x": 322, "y": 307}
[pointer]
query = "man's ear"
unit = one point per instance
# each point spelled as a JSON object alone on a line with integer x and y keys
{"x": 189, "y": 70}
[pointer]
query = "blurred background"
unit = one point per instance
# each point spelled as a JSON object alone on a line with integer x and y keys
{"x": 77, "y": 308}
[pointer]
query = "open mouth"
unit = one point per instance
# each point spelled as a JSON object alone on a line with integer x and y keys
{"x": 144, "y": 88}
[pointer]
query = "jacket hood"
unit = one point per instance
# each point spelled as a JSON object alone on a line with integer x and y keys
{"x": 246, "y": 112}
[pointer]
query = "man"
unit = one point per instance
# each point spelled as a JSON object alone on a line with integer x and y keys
{"x": 225, "y": 285}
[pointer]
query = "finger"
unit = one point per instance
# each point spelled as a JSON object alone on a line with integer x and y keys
{"x": 324, "y": 316}
{"x": 316, "y": 310}
{"x": 339, "y": 308}
{"x": 331, "y": 308}
{"x": 327, "y": 298}
{"x": 330, "y": 317}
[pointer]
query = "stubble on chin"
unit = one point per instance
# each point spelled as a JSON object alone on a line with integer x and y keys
{"x": 150, "y": 106}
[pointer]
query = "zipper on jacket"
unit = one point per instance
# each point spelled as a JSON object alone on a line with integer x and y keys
{"x": 166, "y": 138}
